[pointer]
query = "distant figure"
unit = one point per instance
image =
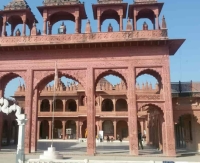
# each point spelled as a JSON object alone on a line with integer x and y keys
{"x": 140, "y": 139}
{"x": 108, "y": 139}
{"x": 118, "y": 138}
{"x": 86, "y": 133}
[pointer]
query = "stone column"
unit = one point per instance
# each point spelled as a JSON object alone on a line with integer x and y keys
{"x": 50, "y": 129}
{"x": 77, "y": 24}
{"x": 99, "y": 24}
{"x": 63, "y": 124}
{"x": 91, "y": 143}
{"x": 147, "y": 132}
{"x": 157, "y": 22}
{"x": 132, "y": 112}
{"x": 115, "y": 129}
{"x": 38, "y": 129}
{"x": 34, "y": 121}
{"x": 81, "y": 124}
{"x": 44, "y": 26}
{"x": 1, "y": 114}
{"x": 121, "y": 23}
{"x": 114, "y": 104}
{"x": 51, "y": 105}
{"x": 4, "y": 28}
{"x": 169, "y": 138}
{"x": 64, "y": 105}
{"x": 100, "y": 125}
{"x": 24, "y": 26}
{"x": 28, "y": 110}
{"x": 77, "y": 129}
{"x": 134, "y": 20}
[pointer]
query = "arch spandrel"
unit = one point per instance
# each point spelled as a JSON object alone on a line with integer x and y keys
{"x": 11, "y": 75}
{"x": 121, "y": 73}
{"x": 77, "y": 75}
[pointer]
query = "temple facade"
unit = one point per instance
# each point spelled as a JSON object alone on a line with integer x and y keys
{"x": 86, "y": 57}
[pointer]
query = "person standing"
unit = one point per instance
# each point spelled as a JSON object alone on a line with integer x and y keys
{"x": 140, "y": 139}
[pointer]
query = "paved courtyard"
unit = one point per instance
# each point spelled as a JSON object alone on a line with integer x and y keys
{"x": 105, "y": 151}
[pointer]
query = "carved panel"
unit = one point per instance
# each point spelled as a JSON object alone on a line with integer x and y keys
{"x": 149, "y": 97}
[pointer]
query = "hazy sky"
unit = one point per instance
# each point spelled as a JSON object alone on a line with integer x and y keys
{"x": 182, "y": 17}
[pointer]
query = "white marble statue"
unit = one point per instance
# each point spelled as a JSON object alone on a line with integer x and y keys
{"x": 5, "y": 108}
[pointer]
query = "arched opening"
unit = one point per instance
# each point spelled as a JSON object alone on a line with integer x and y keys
{"x": 150, "y": 119}
{"x": 184, "y": 131}
{"x": 108, "y": 128}
{"x": 71, "y": 105}
{"x": 44, "y": 130}
{"x": 57, "y": 105}
{"x": 57, "y": 132}
{"x": 107, "y": 105}
{"x": 122, "y": 130}
{"x": 148, "y": 82}
{"x": 16, "y": 21}
{"x": 45, "y": 106}
{"x": 121, "y": 105}
{"x": 109, "y": 17}
{"x": 84, "y": 130}
{"x": 71, "y": 125}
{"x": 5, "y": 133}
{"x": 60, "y": 19}
{"x": 148, "y": 16}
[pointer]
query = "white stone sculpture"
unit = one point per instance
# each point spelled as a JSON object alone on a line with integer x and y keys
{"x": 21, "y": 119}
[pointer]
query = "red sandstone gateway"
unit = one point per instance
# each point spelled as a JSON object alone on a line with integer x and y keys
{"x": 87, "y": 58}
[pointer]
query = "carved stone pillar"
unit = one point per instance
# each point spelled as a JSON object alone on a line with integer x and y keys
{"x": 77, "y": 24}
{"x": 38, "y": 129}
{"x": 28, "y": 110}
{"x": 24, "y": 27}
{"x": 121, "y": 23}
{"x": 91, "y": 141}
{"x": 44, "y": 26}
{"x": 147, "y": 132}
{"x": 34, "y": 121}
{"x": 115, "y": 129}
{"x": 134, "y": 21}
{"x": 4, "y": 28}
{"x": 99, "y": 24}
{"x": 169, "y": 144}
{"x": 81, "y": 124}
{"x": 63, "y": 124}
{"x": 114, "y": 105}
{"x": 132, "y": 112}
{"x": 157, "y": 22}
{"x": 50, "y": 129}
{"x": 1, "y": 114}
{"x": 100, "y": 125}
{"x": 51, "y": 105}
{"x": 77, "y": 129}
{"x": 64, "y": 105}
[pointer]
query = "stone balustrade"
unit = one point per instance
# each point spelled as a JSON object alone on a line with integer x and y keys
{"x": 84, "y": 38}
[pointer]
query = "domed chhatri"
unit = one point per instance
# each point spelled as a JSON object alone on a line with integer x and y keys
{"x": 145, "y": 26}
{"x": 18, "y": 33}
{"x": 62, "y": 29}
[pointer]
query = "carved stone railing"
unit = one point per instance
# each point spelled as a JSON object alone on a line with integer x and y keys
{"x": 60, "y": 2}
{"x": 145, "y": 1}
{"x": 83, "y": 38}
{"x": 149, "y": 97}
{"x": 109, "y": 1}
